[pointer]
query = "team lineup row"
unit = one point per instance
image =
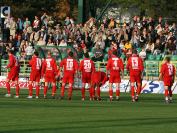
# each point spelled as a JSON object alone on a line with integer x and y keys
{"x": 48, "y": 70}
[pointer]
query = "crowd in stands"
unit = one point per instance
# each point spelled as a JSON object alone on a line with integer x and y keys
{"x": 145, "y": 34}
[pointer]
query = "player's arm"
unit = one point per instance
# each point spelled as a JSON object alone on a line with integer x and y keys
{"x": 161, "y": 73}
{"x": 31, "y": 62}
{"x": 76, "y": 68}
{"x": 128, "y": 65}
{"x": 11, "y": 63}
{"x": 141, "y": 67}
{"x": 174, "y": 74}
{"x": 108, "y": 67}
{"x": 43, "y": 68}
{"x": 122, "y": 68}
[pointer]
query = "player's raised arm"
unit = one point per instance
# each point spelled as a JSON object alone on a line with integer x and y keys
{"x": 11, "y": 61}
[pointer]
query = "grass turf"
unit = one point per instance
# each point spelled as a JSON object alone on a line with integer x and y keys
{"x": 149, "y": 115}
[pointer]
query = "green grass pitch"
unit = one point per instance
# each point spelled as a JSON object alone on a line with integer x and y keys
{"x": 149, "y": 115}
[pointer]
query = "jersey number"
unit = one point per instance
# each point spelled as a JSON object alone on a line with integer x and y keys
{"x": 170, "y": 70}
{"x": 134, "y": 63}
{"x": 87, "y": 65}
{"x": 69, "y": 65}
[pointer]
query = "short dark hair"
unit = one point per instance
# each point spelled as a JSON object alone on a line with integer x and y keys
{"x": 134, "y": 51}
{"x": 49, "y": 53}
{"x": 70, "y": 54}
{"x": 36, "y": 53}
{"x": 86, "y": 55}
{"x": 10, "y": 51}
{"x": 114, "y": 53}
{"x": 167, "y": 58}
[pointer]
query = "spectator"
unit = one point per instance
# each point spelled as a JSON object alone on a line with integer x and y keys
{"x": 41, "y": 42}
{"x": 26, "y": 23}
{"x": 135, "y": 39}
{"x": 19, "y": 26}
{"x": 142, "y": 54}
{"x": 63, "y": 43}
{"x": 50, "y": 42}
{"x": 36, "y": 24}
{"x": 113, "y": 48}
{"x": 127, "y": 46}
{"x": 29, "y": 51}
{"x": 149, "y": 47}
{"x": 98, "y": 53}
{"x": 12, "y": 27}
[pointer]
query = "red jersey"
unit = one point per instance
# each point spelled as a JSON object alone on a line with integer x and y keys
{"x": 13, "y": 63}
{"x": 168, "y": 73}
{"x": 87, "y": 66}
{"x": 99, "y": 77}
{"x": 115, "y": 65}
{"x": 36, "y": 64}
{"x": 135, "y": 65}
{"x": 49, "y": 66}
{"x": 70, "y": 65}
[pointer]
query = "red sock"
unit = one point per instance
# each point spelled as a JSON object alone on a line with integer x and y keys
{"x": 62, "y": 91}
{"x": 37, "y": 90}
{"x": 110, "y": 92}
{"x": 166, "y": 93}
{"x": 117, "y": 92}
{"x": 30, "y": 90}
{"x": 93, "y": 92}
{"x": 90, "y": 91}
{"x": 53, "y": 90}
{"x": 170, "y": 93}
{"x": 132, "y": 91}
{"x": 139, "y": 90}
{"x": 83, "y": 92}
{"x": 70, "y": 92}
{"x": 8, "y": 87}
{"x": 45, "y": 90}
{"x": 98, "y": 92}
{"x": 17, "y": 90}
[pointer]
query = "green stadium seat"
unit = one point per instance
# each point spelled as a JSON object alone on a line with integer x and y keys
{"x": 139, "y": 50}
{"x": 151, "y": 57}
{"x": 158, "y": 57}
{"x": 123, "y": 57}
{"x": 105, "y": 57}
{"x": 174, "y": 57}
{"x": 107, "y": 49}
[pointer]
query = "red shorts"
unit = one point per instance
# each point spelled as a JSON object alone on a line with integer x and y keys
{"x": 168, "y": 81}
{"x": 68, "y": 78}
{"x": 135, "y": 78}
{"x": 12, "y": 76}
{"x": 50, "y": 77}
{"x": 86, "y": 78}
{"x": 114, "y": 78}
{"x": 35, "y": 76}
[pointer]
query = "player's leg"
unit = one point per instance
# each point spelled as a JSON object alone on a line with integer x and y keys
{"x": 70, "y": 90}
{"x": 170, "y": 93}
{"x": 110, "y": 92}
{"x": 62, "y": 92}
{"x": 17, "y": 88}
{"x": 8, "y": 88}
{"x": 117, "y": 91}
{"x": 166, "y": 94}
{"x": 91, "y": 90}
{"x": 37, "y": 89}
{"x": 138, "y": 91}
{"x": 45, "y": 89}
{"x": 83, "y": 91}
{"x": 98, "y": 92}
{"x": 53, "y": 89}
{"x": 30, "y": 87}
{"x": 133, "y": 91}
